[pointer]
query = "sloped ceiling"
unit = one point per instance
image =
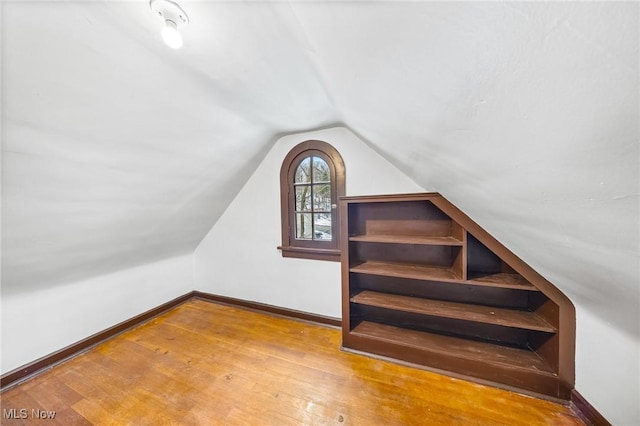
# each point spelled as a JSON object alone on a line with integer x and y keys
{"x": 117, "y": 150}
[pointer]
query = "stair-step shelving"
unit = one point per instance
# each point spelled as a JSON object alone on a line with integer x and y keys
{"x": 423, "y": 283}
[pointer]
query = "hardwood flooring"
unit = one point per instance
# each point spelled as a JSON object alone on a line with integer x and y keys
{"x": 206, "y": 364}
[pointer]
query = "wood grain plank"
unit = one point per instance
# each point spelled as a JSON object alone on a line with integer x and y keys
{"x": 431, "y": 273}
{"x": 503, "y": 280}
{"x": 468, "y": 312}
{"x": 204, "y": 363}
{"x": 456, "y": 347}
{"x": 407, "y": 239}
{"x": 405, "y": 270}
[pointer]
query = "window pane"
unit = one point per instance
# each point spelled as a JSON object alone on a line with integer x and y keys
{"x": 320, "y": 170}
{"x": 322, "y": 197}
{"x": 322, "y": 222}
{"x": 303, "y": 198}
{"x": 303, "y": 171}
{"x": 303, "y": 226}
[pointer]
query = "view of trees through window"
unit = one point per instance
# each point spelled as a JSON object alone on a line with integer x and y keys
{"x": 312, "y": 178}
{"x": 312, "y": 183}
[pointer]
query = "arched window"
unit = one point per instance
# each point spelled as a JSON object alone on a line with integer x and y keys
{"x": 312, "y": 178}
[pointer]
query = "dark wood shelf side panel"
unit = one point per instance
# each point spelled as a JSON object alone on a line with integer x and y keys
{"x": 474, "y": 313}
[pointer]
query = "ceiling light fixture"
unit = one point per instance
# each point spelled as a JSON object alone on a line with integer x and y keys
{"x": 173, "y": 17}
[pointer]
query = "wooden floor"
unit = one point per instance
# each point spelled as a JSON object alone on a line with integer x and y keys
{"x": 207, "y": 364}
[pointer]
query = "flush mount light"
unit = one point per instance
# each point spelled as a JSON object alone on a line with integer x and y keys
{"x": 173, "y": 17}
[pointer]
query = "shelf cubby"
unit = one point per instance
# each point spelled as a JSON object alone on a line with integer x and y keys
{"x": 522, "y": 319}
{"x": 510, "y": 357}
{"x": 406, "y": 270}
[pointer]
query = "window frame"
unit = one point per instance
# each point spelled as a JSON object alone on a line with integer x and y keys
{"x": 303, "y": 248}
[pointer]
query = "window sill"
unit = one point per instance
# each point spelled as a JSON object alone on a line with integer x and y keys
{"x": 332, "y": 255}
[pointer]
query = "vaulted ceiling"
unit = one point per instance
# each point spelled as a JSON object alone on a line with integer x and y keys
{"x": 117, "y": 150}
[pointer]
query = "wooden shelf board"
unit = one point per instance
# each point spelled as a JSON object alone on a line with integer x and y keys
{"x": 520, "y": 359}
{"x": 407, "y": 239}
{"x": 502, "y": 280}
{"x": 405, "y": 270}
{"x": 468, "y": 312}
{"x": 433, "y": 273}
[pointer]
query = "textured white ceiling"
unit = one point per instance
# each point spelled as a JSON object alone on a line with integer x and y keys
{"x": 118, "y": 150}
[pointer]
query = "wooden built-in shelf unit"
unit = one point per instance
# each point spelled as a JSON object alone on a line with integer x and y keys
{"x": 423, "y": 283}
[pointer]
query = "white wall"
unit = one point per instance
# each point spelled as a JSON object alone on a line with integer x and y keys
{"x": 238, "y": 258}
{"x": 527, "y": 115}
{"x": 37, "y": 323}
{"x": 607, "y": 368}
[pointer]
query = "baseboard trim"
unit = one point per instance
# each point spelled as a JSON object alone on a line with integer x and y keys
{"x": 270, "y": 309}
{"x": 40, "y": 365}
{"x": 586, "y": 411}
